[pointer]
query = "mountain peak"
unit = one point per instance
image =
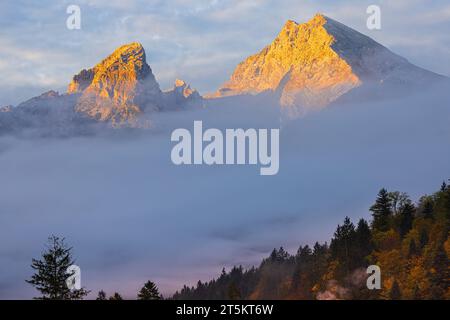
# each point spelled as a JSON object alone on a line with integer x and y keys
{"x": 182, "y": 88}
{"x": 289, "y": 25}
{"x": 299, "y": 64}
{"x": 319, "y": 19}
{"x": 133, "y": 46}
{"x": 312, "y": 64}
{"x": 180, "y": 83}
{"x": 118, "y": 87}
{"x": 131, "y": 55}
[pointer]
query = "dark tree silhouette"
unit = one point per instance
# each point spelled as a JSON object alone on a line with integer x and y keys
{"x": 343, "y": 245}
{"x": 149, "y": 292}
{"x": 101, "y": 295}
{"x": 406, "y": 217}
{"x": 363, "y": 241}
{"x": 381, "y": 211}
{"x": 51, "y": 272}
{"x": 115, "y": 296}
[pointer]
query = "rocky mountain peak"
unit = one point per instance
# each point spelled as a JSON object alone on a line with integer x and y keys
{"x": 311, "y": 64}
{"x": 128, "y": 60}
{"x": 119, "y": 87}
{"x": 299, "y": 64}
{"x": 184, "y": 89}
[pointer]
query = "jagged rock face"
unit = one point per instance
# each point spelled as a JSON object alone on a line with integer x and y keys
{"x": 312, "y": 64}
{"x": 184, "y": 89}
{"x": 181, "y": 96}
{"x": 299, "y": 64}
{"x": 120, "y": 91}
{"x": 119, "y": 88}
{"x": 81, "y": 81}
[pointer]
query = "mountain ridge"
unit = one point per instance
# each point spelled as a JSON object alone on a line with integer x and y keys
{"x": 308, "y": 66}
{"x": 312, "y": 64}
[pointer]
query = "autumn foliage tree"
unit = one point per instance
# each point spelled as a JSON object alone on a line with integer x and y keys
{"x": 408, "y": 241}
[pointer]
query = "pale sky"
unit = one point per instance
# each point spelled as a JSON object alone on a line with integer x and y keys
{"x": 198, "y": 41}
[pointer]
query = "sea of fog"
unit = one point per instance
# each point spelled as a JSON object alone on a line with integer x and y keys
{"x": 132, "y": 215}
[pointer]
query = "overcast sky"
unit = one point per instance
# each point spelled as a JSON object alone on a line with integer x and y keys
{"x": 199, "y": 41}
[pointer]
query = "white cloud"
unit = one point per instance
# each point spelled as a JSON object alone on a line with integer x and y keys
{"x": 206, "y": 38}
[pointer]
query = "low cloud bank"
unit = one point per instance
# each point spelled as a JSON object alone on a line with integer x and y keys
{"x": 132, "y": 215}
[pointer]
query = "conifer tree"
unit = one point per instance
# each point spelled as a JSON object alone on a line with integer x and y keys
{"x": 149, "y": 292}
{"x": 343, "y": 245}
{"x": 116, "y": 296}
{"x": 51, "y": 272}
{"x": 406, "y": 218}
{"x": 381, "y": 211}
{"x": 426, "y": 207}
{"x": 101, "y": 295}
{"x": 363, "y": 240}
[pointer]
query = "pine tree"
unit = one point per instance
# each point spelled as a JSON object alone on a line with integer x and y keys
{"x": 363, "y": 240}
{"x": 381, "y": 211}
{"x": 51, "y": 272}
{"x": 343, "y": 245}
{"x": 394, "y": 293}
{"x": 279, "y": 255}
{"x": 149, "y": 292}
{"x": 101, "y": 295}
{"x": 406, "y": 218}
{"x": 303, "y": 253}
{"x": 273, "y": 255}
{"x": 115, "y": 296}
{"x": 426, "y": 207}
{"x": 443, "y": 186}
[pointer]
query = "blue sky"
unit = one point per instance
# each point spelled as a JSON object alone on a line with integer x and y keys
{"x": 199, "y": 41}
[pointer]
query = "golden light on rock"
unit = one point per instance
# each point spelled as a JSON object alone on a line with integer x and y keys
{"x": 300, "y": 64}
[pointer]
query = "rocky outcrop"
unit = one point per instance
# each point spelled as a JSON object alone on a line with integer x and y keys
{"x": 181, "y": 96}
{"x": 81, "y": 81}
{"x": 183, "y": 89}
{"x": 119, "y": 88}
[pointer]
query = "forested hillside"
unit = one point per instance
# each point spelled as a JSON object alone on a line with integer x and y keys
{"x": 408, "y": 241}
